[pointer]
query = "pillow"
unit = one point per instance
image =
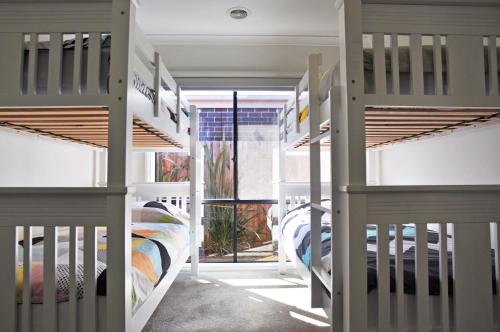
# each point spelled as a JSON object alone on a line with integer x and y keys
{"x": 171, "y": 209}
{"x": 153, "y": 215}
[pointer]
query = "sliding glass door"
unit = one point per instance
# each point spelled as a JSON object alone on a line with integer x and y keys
{"x": 240, "y": 146}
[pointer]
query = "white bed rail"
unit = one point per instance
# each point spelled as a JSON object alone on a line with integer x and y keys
{"x": 175, "y": 193}
{"x": 23, "y": 209}
{"x": 452, "y": 53}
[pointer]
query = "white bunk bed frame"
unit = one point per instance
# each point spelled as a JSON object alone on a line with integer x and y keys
{"x": 472, "y": 210}
{"x": 108, "y": 206}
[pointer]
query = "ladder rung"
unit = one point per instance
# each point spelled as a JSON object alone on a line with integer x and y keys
{"x": 321, "y": 208}
{"x": 321, "y": 137}
{"x": 324, "y": 277}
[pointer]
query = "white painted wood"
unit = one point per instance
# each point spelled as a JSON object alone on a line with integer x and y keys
{"x": 26, "y": 308}
{"x": 473, "y": 299}
{"x": 195, "y": 191}
{"x": 178, "y": 108}
{"x": 431, "y": 19}
{"x": 383, "y": 286}
{"x": 157, "y": 83}
{"x": 8, "y": 284}
{"x": 314, "y": 62}
{"x": 94, "y": 64}
{"x": 400, "y": 300}
{"x": 496, "y": 246}
{"x": 47, "y": 17}
{"x": 77, "y": 64}
{"x": 55, "y": 64}
{"x": 11, "y": 63}
{"x": 422, "y": 277}
{"x": 395, "y": 64}
{"x": 49, "y": 279}
{"x": 90, "y": 280}
{"x": 379, "y": 64}
{"x": 493, "y": 65}
{"x": 417, "y": 65}
{"x": 443, "y": 276}
{"x": 119, "y": 306}
{"x": 297, "y": 107}
{"x": 73, "y": 270}
{"x": 438, "y": 65}
{"x": 466, "y": 66}
{"x": 32, "y": 63}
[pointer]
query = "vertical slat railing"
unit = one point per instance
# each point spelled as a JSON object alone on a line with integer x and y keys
{"x": 496, "y": 247}
{"x": 400, "y": 300}
{"x": 443, "y": 276}
{"x": 49, "y": 279}
{"x": 73, "y": 272}
{"x": 55, "y": 64}
{"x": 379, "y": 64}
{"x": 26, "y": 315}
{"x": 89, "y": 268}
{"x": 417, "y": 65}
{"x": 395, "y": 64}
{"x": 32, "y": 64}
{"x": 77, "y": 64}
{"x": 493, "y": 65}
{"x": 94, "y": 63}
{"x": 421, "y": 276}
{"x": 383, "y": 286}
{"x": 438, "y": 65}
{"x": 8, "y": 286}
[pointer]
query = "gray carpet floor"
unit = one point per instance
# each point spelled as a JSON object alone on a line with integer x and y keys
{"x": 243, "y": 300}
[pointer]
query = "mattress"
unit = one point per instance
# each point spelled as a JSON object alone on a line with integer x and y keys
{"x": 155, "y": 246}
{"x": 296, "y": 231}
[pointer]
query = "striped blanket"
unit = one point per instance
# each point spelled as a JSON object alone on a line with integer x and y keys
{"x": 154, "y": 247}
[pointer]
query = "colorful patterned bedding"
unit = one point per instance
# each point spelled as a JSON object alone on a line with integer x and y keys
{"x": 155, "y": 246}
{"x": 296, "y": 231}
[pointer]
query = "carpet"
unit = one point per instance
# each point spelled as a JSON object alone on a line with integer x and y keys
{"x": 237, "y": 300}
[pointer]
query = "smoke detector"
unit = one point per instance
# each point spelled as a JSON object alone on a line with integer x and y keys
{"x": 238, "y": 13}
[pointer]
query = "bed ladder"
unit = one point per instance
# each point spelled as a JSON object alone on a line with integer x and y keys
{"x": 195, "y": 227}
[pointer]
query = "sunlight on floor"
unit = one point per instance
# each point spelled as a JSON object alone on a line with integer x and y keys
{"x": 308, "y": 320}
{"x": 257, "y": 282}
{"x": 295, "y": 297}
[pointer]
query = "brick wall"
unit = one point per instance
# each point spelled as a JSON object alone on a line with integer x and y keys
{"x": 216, "y": 124}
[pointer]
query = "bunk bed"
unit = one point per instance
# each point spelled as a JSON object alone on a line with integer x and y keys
{"x": 84, "y": 73}
{"x": 447, "y": 78}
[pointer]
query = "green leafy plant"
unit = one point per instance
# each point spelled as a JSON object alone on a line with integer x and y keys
{"x": 218, "y": 184}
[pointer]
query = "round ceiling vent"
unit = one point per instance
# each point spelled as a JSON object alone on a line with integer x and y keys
{"x": 238, "y": 13}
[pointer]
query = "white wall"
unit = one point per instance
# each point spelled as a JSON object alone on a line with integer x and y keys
{"x": 468, "y": 156}
{"x": 29, "y": 160}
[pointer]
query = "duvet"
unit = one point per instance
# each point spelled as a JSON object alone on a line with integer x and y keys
{"x": 296, "y": 226}
{"x": 154, "y": 247}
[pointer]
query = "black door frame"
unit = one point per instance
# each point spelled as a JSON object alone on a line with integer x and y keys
{"x": 235, "y": 201}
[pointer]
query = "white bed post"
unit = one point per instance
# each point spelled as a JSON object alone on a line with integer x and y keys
{"x": 314, "y": 62}
{"x": 119, "y": 291}
{"x": 281, "y": 193}
{"x": 349, "y": 166}
{"x": 195, "y": 191}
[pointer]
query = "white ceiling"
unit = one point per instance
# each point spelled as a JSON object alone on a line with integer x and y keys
{"x": 270, "y": 21}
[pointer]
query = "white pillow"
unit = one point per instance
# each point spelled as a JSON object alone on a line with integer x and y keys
{"x": 153, "y": 215}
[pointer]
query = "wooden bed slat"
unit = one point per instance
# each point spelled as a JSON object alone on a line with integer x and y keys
{"x": 379, "y": 64}
{"x": 8, "y": 286}
{"x": 94, "y": 64}
{"x": 49, "y": 279}
{"x": 395, "y": 64}
{"x": 55, "y": 64}
{"x": 443, "y": 276}
{"x": 493, "y": 65}
{"x": 400, "y": 300}
{"x": 26, "y": 308}
{"x": 77, "y": 64}
{"x": 383, "y": 289}
{"x": 32, "y": 64}
{"x": 438, "y": 65}
{"x": 422, "y": 277}
{"x": 89, "y": 272}
{"x": 417, "y": 65}
{"x": 73, "y": 270}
